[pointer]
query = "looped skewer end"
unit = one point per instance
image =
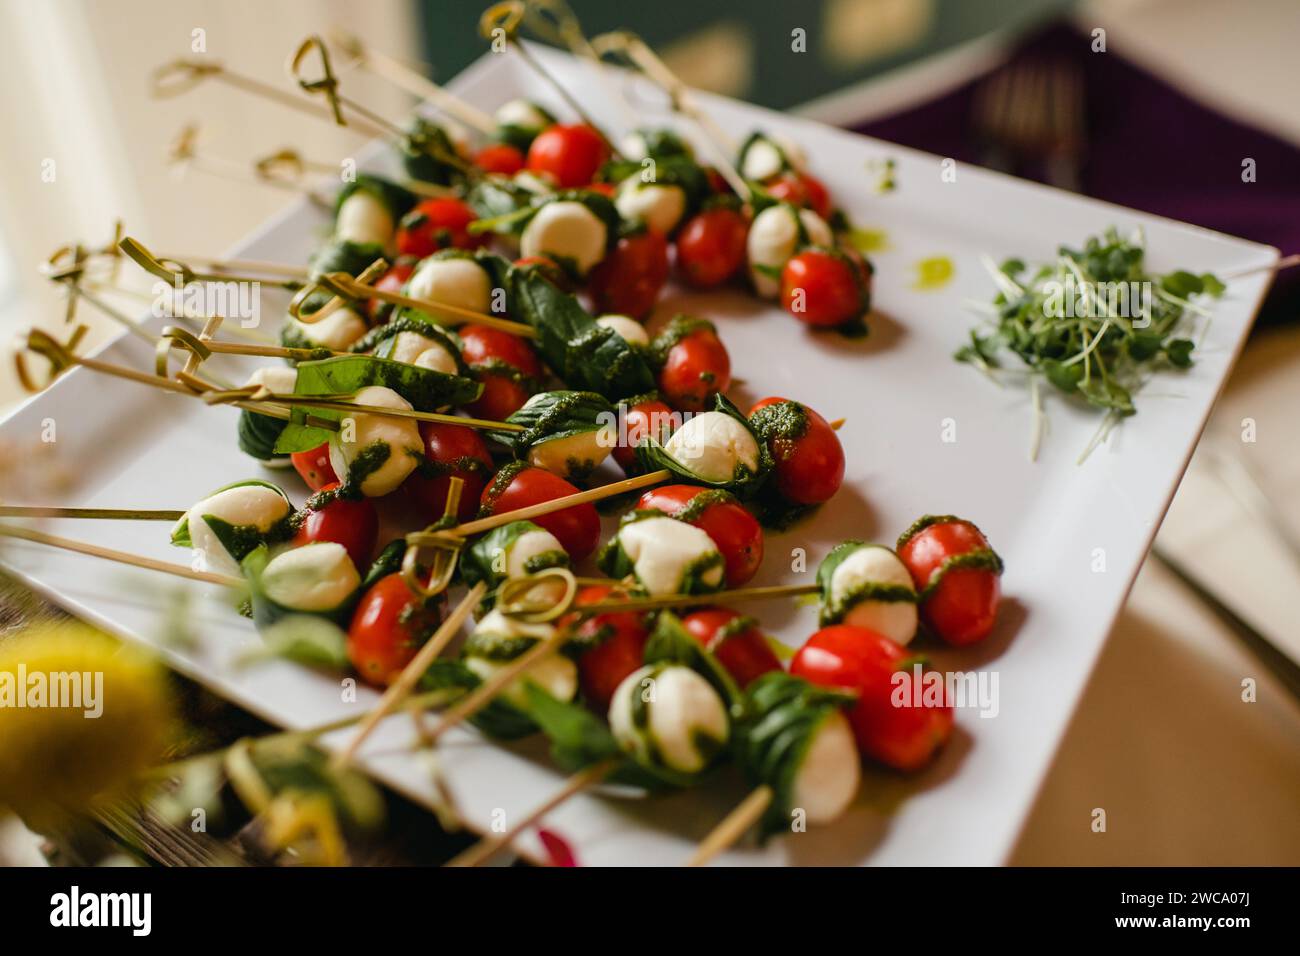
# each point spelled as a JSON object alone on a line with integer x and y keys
{"x": 327, "y": 84}
{"x": 505, "y": 16}
{"x": 518, "y": 598}
{"x": 445, "y": 553}
{"x": 284, "y": 167}
{"x": 174, "y": 337}
{"x": 180, "y": 76}
{"x": 146, "y": 260}
{"x": 58, "y": 354}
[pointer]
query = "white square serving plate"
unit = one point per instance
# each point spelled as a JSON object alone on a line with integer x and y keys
{"x": 1072, "y": 536}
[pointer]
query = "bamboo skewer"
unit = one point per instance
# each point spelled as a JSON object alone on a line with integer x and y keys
{"x": 506, "y": 18}
{"x": 181, "y": 76}
{"x": 112, "y": 514}
{"x": 122, "y": 557}
{"x": 401, "y": 688}
{"x": 183, "y": 156}
{"x": 412, "y": 81}
{"x": 733, "y": 825}
{"x": 490, "y": 846}
{"x": 480, "y": 525}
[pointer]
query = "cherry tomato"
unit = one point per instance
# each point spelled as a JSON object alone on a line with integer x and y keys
{"x": 550, "y": 270}
{"x": 736, "y": 533}
{"x": 388, "y": 627}
{"x": 857, "y": 659}
{"x": 822, "y": 289}
{"x": 695, "y": 366}
{"x": 500, "y": 158}
{"x": 735, "y": 641}
{"x": 717, "y": 182}
{"x": 617, "y": 648}
{"x": 808, "y": 456}
{"x": 351, "y": 522}
{"x": 628, "y": 280}
{"x": 572, "y": 154}
{"x": 647, "y": 417}
{"x": 605, "y": 189}
{"x": 519, "y": 485}
{"x": 963, "y": 606}
{"x": 505, "y": 365}
{"x": 391, "y": 281}
{"x": 800, "y": 189}
{"x": 314, "y": 467}
{"x": 437, "y": 224}
{"x": 456, "y": 452}
{"x": 711, "y": 247}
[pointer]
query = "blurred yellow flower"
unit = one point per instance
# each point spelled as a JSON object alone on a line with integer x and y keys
{"x": 80, "y": 716}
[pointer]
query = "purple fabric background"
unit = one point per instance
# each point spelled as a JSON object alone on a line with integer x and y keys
{"x": 1149, "y": 147}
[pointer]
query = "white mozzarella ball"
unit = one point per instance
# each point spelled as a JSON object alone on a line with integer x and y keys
{"x": 454, "y": 281}
{"x": 662, "y": 550}
{"x": 401, "y": 435}
{"x": 660, "y": 207}
{"x": 629, "y": 329}
{"x": 566, "y": 230}
{"x": 681, "y": 709}
{"x": 438, "y": 359}
{"x": 773, "y": 238}
{"x": 416, "y": 349}
{"x": 711, "y": 445}
{"x": 314, "y": 577}
{"x": 872, "y": 564}
{"x": 363, "y": 219}
{"x": 574, "y": 454}
{"x": 255, "y": 506}
{"x": 554, "y": 673}
{"x": 827, "y": 779}
{"x": 280, "y": 379}
{"x": 527, "y": 546}
{"x": 520, "y": 113}
{"x": 337, "y": 331}
{"x": 633, "y": 146}
{"x": 763, "y": 159}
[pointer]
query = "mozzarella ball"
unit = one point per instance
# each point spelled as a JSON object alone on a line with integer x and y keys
{"x": 529, "y": 545}
{"x": 629, "y": 329}
{"x": 363, "y": 219}
{"x": 664, "y": 550}
{"x": 574, "y": 455}
{"x": 681, "y": 710}
{"x": 520, "y": 113}
{"x": 660, "y": 207}
{"x": 280, "y": 379}
{"x": 773, "y": 238}
{"x": 244, "y": 506}
{"x": 873, "y": 564}
{"x": 400, "y": 435}
{"x": 437, "y": 359}
{"x": 828, "y": 777}
{"x": 566, "y": 230}
{"x": 711, "y": 445}
{"x": 633, "y": 146}
{"x": 424, "y": 351}
{"x": 554, "y": 673}
{"x": 314, "y": 577}
{"x": 454, "y": 281}
{"x": 763, "y": 158}
{"x": 337, "y": 331}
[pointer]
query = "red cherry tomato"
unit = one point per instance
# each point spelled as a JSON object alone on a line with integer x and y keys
{"x": 481, "y": 345}
{"x": 736, "y": 533}
{"x": 821, "y": 289}
{"x": 964, "y": 605}
{"x": 572, "y": 154}
{"x": 550, "y": 270}
{"x": 500, "y": 158}
{"x": 314, "y": 467}
{"x": 351, "y": 522}
{"x": 388, "y": 627}
{"x": 711, "y": 247}
{"x": 735, "y": 641}
{"x": 809, "y": 459}
{"x": 695, "y": 368}
{"x": 857, "y": 659}
{"x": 649, "y": 417}
{"x": 617, "y": 649}
{"x": 628, "y": 280}
{"x": 457, "y": 452}
{"x": 605, "y": 189}
{"x": 717, "y": 182}
{"x": 800, "y": 189}
{"x": 437, "y": 224}
{"x": 391, "y": 281}
{"x": 577, "y": 528}
{"x": 505, "y": 365}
